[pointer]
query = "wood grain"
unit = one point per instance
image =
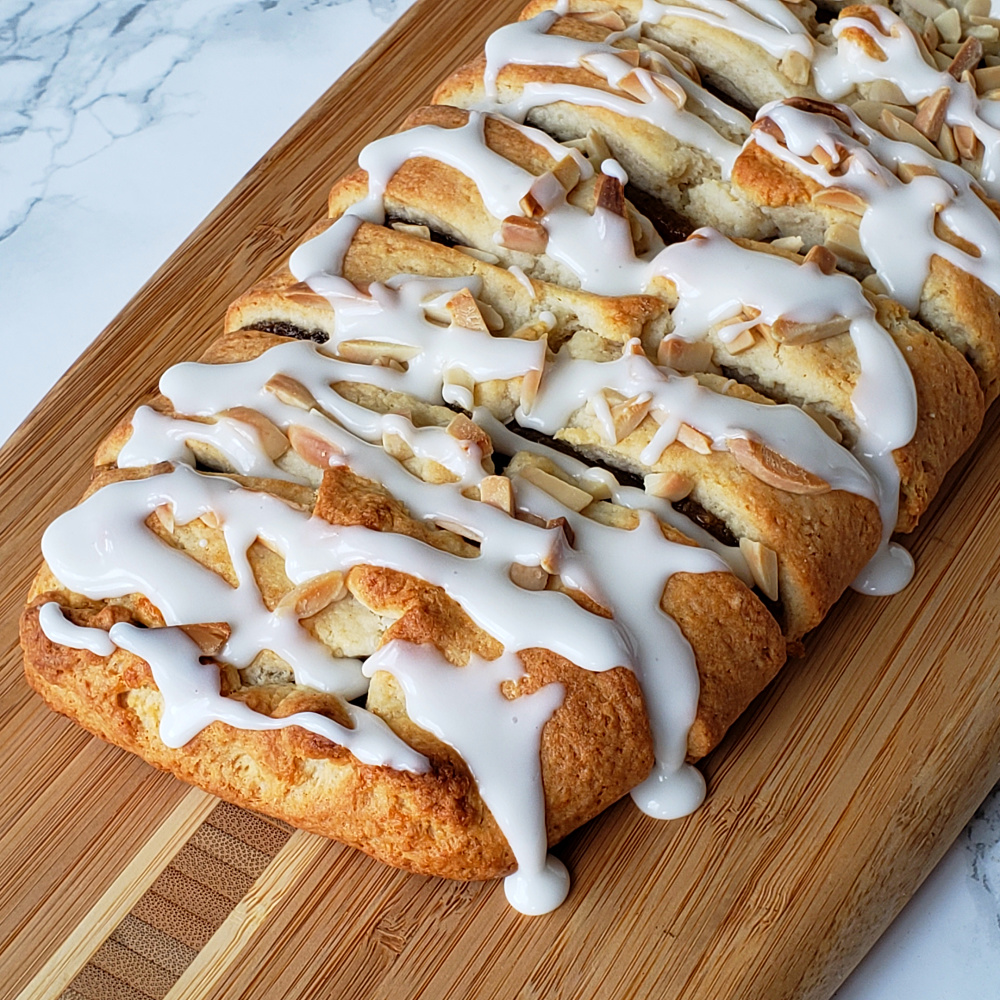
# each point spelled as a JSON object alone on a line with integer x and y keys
{"x": 830, "y": 801}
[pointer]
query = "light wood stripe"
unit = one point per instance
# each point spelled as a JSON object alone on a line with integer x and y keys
{"x": 236, "y": 932}
{"x": 186, "y": 904}
{"x": 74, "y": 953}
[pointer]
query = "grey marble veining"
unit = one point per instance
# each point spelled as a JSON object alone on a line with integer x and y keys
{"x": 75, "y": 75}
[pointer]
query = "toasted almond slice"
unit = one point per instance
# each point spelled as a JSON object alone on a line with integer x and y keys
{"x": 465, "y": 312}
{"x": 210, "y": 636}
{"x": 822, "y": 156}
{"x": 931, "y": 38}
{"x": 165, "y": 515}
{"x": 859, "y": 37}
{"x": 310, "y": 446}
{"x": 609, "y": 194}
{"x": 311, "y": 597}
{"x": 394, "y": 445}
{"x": 524, "y": 235}
{"x": 743, "y": 341}
{"x": 894, "y": 127}
{"x": 210, "y": 518}
{"x": 817, "y": 107}
{"x": 545, "y": 192}
{"x": 822, "y": 258}
{"x": 272, "y": 440}
{"x": 763, "y": 565}
{"x": 498, "y": 492}
{"x": 946, "y": 144}
{"x": 965, "y": 142}
{"x": 366, "y": 352}
{"x": 987, "y": 78}
{"x": 692, "y": 438}
{"x": 830, "y": 429}
{"x": 567, "y": 172}
{"x": 967, "y": 57}
{"x": 941, "y": 58}
{"x": 605, "y": 18}
{"x": 844, "y": 241}
{"x": 771, "y": 127}
{"x": 629, "y": 414}
{"x": 670, "y": 486}
{"x": 536, "y": 330}
{"x": 930, "y": 113}
{"x": 684, "y": 355}
{"x": 874, "y": 284}
{"x": 566, "y": 493}
{"x": 530, "y": 382}
{"x": 796, "y": 67}
{"x": 842, "y": 198}
{"x": 413, "y": 229}
{"x": 927, "y": 8}
{"x": 291, "y": 391}
{"x": 529, "y": 577}
{"x": 774, "y": 469}
{"x": 465, "y": 429}
{"x": 459, "y": 387}
{"x": 787, "y": 331}
{"x": 396, "y": 366}
{"x": 907, "y": 171}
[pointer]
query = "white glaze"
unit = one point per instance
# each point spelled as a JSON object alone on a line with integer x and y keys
{"x": 61, "y": 630}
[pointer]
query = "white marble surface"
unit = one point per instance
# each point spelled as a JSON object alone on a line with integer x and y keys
{"x": 122, "y": 124}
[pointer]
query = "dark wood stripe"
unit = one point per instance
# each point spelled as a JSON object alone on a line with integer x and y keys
{"x": 149, "y": 950}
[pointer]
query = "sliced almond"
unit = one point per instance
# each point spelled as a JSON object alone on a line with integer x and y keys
{"x": 605, "y": 18}
{"x": 823, "y": 258}
{"x": 787, "y": 331}
{"x": 967, "y": 57}
{"x": 771, "y": 127}
{"x": 796, "y": 67}
{"x": 609, "y": 194}
{"x": 165, "y": 515}
{"x": 791, "y": 243}
{"x": 413, "y": 229}
{"x": 763, "y": 565}
{"x": 498, "y": 492}
{"x": 310, "y": 446}
{"x": 210, "y": 518}
{"x": 830, "y": 429}
{"x": 692, "y": 438}
{"x": 841, "y": 198}
{"x": 464, "y": 429}
{"x": 927, "y": 8}
{"x": 684, "y": 355}
{"x": 843, "y": 240}
{"x": 545, "y": 192}
{"x": 817, "y": 107}
{"x": 930, "y": 113}
{"x": 484, "y": 255}
{"x": 672, "y": 486}
{"x": 366, "y": 352}
{"x": 949, "y": 25}
{"x": 567, "y": 494}
{"x": 530, "y": 382}
{"x": 210, "y": 636}
{"x": 774, "y": 469}
{"x": 965, "y": 142}
{"x": 629, "y": 414}
{"x": 311, "y": 597}
{"x": 464, "y": 311}
{"x": 743, "y": 341}
{"x": 894, "y": 127}
{"x": 885, "y": 92}
{"x": 567, "y": 172}
{"x": 864, "y": 41}
{"x": 822, "y": 156}
{"x": 291, "y": 392}
{"x": 907, "y": 171}
{"x": 528, "y": 577}
{"x": 272, "y": 440}
{"x": 459, "y": 387}
{"x": 523, "y": 235}
{"x": 987, "y": 78}
{"x": 931, "y": 38}
{"x": 946, "y": 144}
{"x": 394, "y": 445}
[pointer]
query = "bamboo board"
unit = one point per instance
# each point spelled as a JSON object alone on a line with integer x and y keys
{"x": 830, "y": 801}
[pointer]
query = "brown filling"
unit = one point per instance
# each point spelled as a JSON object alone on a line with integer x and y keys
{"x": 670, "y": 226}
{"x": 283, "y": 329}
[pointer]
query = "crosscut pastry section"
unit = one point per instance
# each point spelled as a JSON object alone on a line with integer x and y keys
{"x": 601, "y": 382}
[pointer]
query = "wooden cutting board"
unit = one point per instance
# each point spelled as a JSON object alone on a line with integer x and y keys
{"x": 830, "y": 801}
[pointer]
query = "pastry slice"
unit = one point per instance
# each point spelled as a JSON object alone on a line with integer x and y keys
{"x": 376, "y": 617}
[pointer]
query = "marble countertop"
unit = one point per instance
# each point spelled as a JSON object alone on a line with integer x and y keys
{"x": 122, "y": 124}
